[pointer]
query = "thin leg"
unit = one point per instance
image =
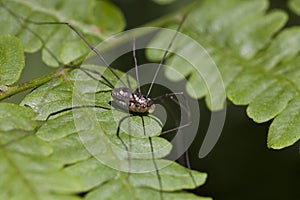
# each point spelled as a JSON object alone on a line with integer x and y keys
{"x": 185, "y": 107}
{"x": 136, "y": 66}
{"x": 156, "y": 169}
{"x": 123, "y": 143}
{"x": 73, "y": 108}
{"x": 188, "y": 165}
{"x": 165, "y": 55}
{"x": 88, "y": 73}
{"x": 153, "y": 159}
{"x": 52, "y": 114}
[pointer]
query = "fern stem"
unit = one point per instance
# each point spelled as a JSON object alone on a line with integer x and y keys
{"x": 8, "y": 91}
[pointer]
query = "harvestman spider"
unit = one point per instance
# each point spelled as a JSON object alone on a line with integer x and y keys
{"x": 124, "y": 97}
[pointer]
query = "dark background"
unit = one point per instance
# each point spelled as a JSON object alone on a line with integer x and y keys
{"x": 240, "y": 166}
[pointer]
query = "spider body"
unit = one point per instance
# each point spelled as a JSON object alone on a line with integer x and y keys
{"x": 133, "y": 101}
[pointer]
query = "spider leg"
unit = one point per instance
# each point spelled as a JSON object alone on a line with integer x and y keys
{"x": 123, "y": 143}
{"x": 29, "y": 133}
{"x": 90, "y": 72}
{"x": 185, "y": 107}
{"x": 153, "y": 159}
{"x": 73, "y": 108}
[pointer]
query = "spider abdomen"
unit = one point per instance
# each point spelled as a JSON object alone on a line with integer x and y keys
{"x": 131, "y": 100}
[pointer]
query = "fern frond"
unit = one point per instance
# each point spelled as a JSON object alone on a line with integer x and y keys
{"x": 60, "y": 40}
{"x": 257, "y": 59}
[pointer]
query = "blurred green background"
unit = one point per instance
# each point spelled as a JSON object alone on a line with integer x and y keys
{"x": 240, "y": 166}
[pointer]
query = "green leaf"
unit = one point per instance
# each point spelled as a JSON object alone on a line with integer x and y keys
{"x": 163, "y": 2}
{"x": 35, "y": 180}
{"x": 110, "y": 18}
{"x": 258, "y": 61}
{"x": 74, "y": 137}
{"x": 271, "y": 102}
{"x": 24, "y": 143}
{"x": 45, "y": 103}
{"x": 27, "y": 171}
{"x": 146, "y": 194}
{"x": 236, "y": 23}
{"x": 174, "y": 177}
{"x": 60, "y": 165}
{"x": 14, "y": 117}
{"x": 284, "y": 130}
{"x": 132, "y": 125}
{"x": 140, "y": 186}
{"x": 197, "y": 63}
{"x": 57, "y": 40}
{"x": 112, "y": 189}
{"x": 92, "y": 173}
{"x": 57, "y": 94}
{"x": 294, "y": 5}
{"x": 12, "y": 59}
{"x": 69, "y": 150}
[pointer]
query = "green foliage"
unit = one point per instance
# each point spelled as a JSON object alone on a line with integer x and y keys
{"x": 60, "y": 42}
{"x": 34, "y": 158}
{"x": 258, "y": 62}
{"x": 257, "y": 59}
{"x": 26, "y": 164}
{"x": 163, "y": 2}
{"x": 56, "y": 144}
{"x": 12, "y": 60}
{"x": 294, "y": 6}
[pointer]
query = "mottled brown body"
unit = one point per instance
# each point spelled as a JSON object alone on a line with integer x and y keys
{"x": 133, "y": 101}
